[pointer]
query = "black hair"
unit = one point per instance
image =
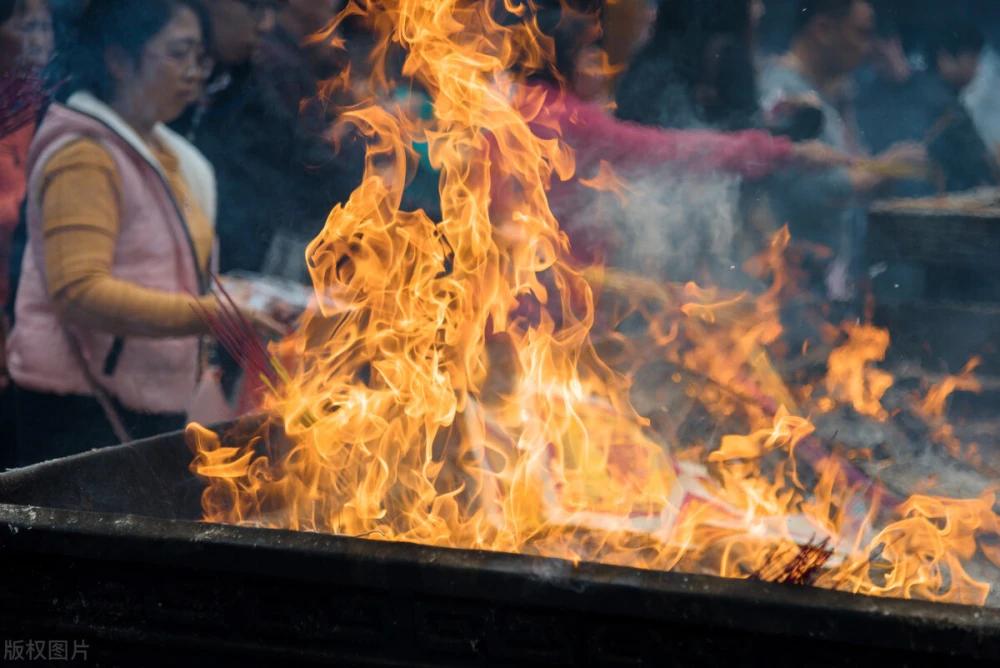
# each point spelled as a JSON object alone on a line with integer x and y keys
{"x": 7, "y": 9}
{"x": 886, "y": 21}
{"x": 697, "y": 45}
{"x": 128, "y": 25}
{"x": 811, "y": 9}
{"x": 685, "y": 28}
{"x": 954, "y": 40}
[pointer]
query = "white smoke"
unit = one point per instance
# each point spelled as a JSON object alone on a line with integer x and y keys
{"x": 668, "y": 225}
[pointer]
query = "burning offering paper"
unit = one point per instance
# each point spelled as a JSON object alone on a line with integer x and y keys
{"x": 455, "y": 385}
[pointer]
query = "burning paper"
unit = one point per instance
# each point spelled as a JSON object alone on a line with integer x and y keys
{"x": 636, "y": 486}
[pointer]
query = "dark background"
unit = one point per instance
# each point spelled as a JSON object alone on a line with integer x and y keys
{"x": 915, "y": 18}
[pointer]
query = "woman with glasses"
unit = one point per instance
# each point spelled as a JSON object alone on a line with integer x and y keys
{"x": 107, "y": 345}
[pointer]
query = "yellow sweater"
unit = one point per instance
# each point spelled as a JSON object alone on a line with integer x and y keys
{"x": 81, "y": 222}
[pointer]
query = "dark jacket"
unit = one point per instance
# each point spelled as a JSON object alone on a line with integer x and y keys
{"x": 656, "y": 91}
{"x": 889, "y": 113}
{"x": 275, "y": 170}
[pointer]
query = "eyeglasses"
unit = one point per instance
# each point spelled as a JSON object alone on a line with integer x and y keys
{"x": 190, "y": 58}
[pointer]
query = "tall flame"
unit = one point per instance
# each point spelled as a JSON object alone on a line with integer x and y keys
{"x": 431, "y": 403}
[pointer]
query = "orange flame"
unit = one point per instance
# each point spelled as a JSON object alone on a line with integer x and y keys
{"x": 932, "y": 409}
{"x": 440, "y": 414}
{"x": 852, "y": 378}
{"x": 933, "y": 405}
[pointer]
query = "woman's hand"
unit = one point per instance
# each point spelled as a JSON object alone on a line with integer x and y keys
{"x": 817, "y": 155}
{"x": 264, "y": 323}
{"x": 909, "y": 153}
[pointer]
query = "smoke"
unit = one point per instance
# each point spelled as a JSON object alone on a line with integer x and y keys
{"x": 672, "y": 223}
{"x": 662, "y": 224}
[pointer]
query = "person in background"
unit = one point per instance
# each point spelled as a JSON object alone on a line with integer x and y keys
{"x": 25, "y": 48}
{"x": 248, "y": 126}
{"x": 896, "y": 106}
{"x": 598, "y": 137}
{"x": 887, "y": 62}
{"x": 226, "y": 126}
{"x": 881, "y": 83}
{"x": 982, "y": 97}
{"x": 107, "y": 345}
{"x": 52, "y": 86}
{"x": 37, "y": 33}
{"x": 238, "y": 26}
{"x": 278, "y": 179}
{"x": 698, "y": 69}
{"x": 774, "y": 35}
{"x": 13, "y": 148}
{"x": 15, "y": 136}
{"x": 627, "y": 29}
{"x": 313, "y": 172}
{"x": 833, "y": 39}
{"x": 291, "y": 66}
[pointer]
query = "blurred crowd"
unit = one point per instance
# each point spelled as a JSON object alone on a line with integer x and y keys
{"x": 146, "y": 146}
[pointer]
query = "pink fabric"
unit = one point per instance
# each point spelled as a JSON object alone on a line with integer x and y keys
{"x": 209, "y": 404}
{"x": 595, "y": 135}
{"x": 152, "y": 375}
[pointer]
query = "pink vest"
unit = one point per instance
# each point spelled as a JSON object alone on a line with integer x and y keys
{"x": 153, "y": 251}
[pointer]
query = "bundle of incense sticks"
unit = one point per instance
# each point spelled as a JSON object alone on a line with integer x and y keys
{"x": 802, "y": 569}
{"x": 894, "y": 169}
{"x": 237, "y": 335}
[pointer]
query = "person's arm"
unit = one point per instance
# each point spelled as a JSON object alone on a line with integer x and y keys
{"x": 752, "y": 154}
{"x": 81, "y": 223}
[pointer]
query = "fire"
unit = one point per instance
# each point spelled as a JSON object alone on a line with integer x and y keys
{"x": 932, "y": 409}
{"x": 448, "y": 390}
{"x": 852, "y": 378}
{"x": 933, "y": 405}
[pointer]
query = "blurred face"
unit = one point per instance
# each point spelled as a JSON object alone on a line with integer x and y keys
{"x": 238, "y": 26}
{"x": 36, "y": 30}
{"x": 958, "y": 71}
{"x": 847, "y": 42}
{"x": 169, "y": 75}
